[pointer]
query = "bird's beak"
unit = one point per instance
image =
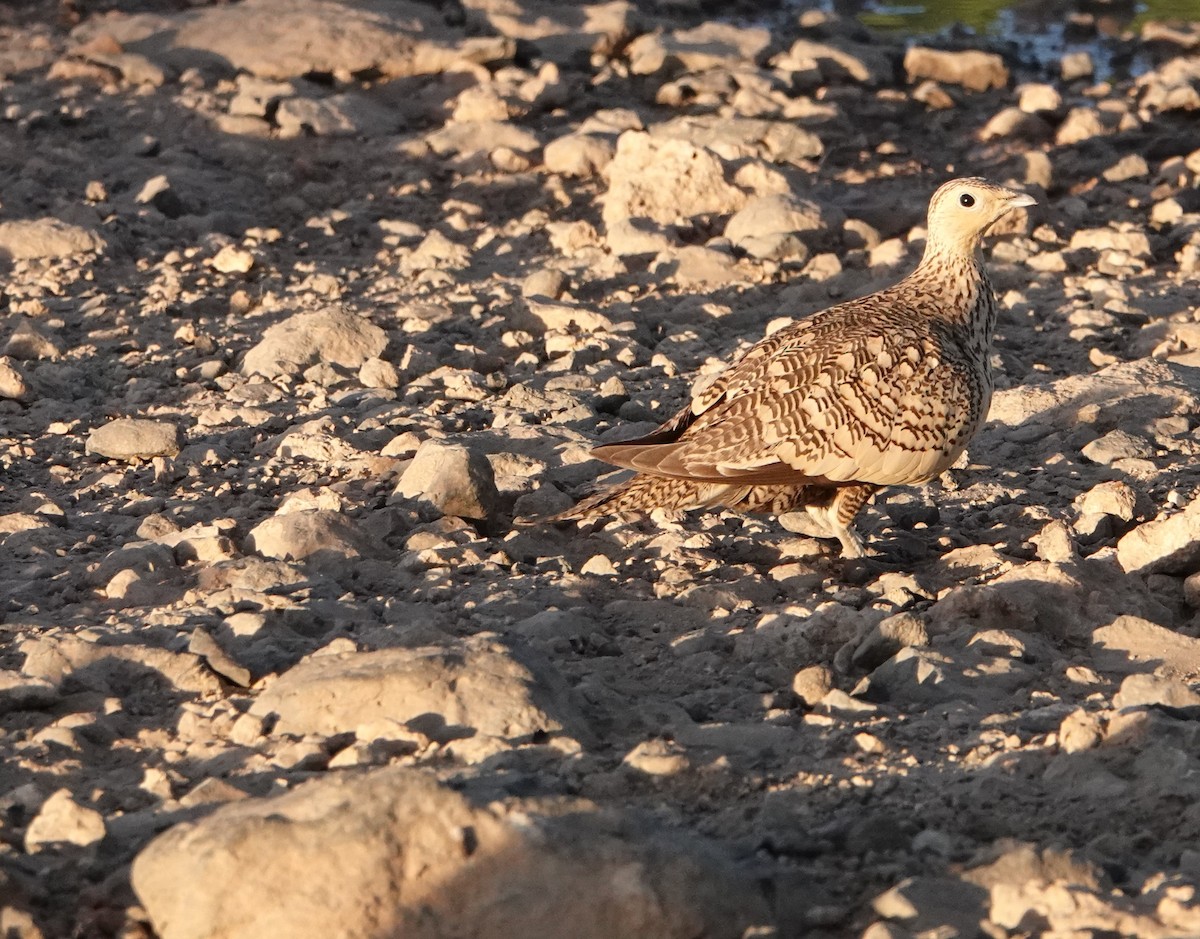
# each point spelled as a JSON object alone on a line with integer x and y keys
{"x": 1020, "y": 200}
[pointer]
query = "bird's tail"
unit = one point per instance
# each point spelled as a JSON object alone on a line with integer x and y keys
{"x": 644, "y": 492}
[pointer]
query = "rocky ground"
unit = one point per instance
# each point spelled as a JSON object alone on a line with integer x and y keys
{"x": 305, "y": 303}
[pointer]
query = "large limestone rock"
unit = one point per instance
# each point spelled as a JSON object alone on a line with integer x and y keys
{"x": 46, "y": 238}
{"x": 452, "y": 479}
{"x": 336, "y": 337}
{"x": 131, "y": 439}
{"x": 666, "y": 180}
{"x": 394, "y": 853}
{"x": 319, "y": 534}
{"x": 974, "y": 70}
{"x": 767, "y": 226}
{"x": 282, "y": 39}
{"x": 477, "y": 694}
{"x": 1169, "y": 545}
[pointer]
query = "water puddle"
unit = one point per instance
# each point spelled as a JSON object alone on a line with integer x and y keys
{"x": 1037, "y": 34}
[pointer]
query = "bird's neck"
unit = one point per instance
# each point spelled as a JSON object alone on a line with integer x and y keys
{"x": 954, "y": 289}
{"x": 956, "y": 281}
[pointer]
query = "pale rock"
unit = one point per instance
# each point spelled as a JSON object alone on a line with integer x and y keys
{"x": 1140, "y": 690}
{"x": 813, "y": 63}
{"x": 46, "y": 238}
{"x": 27, "y": 342}
{"x": 934, "y": 906}
{"x": 335, "y": 337}
{"x": 379, "y": 373}
{"x": 708, "y": 46}
{"x": 482, "y": 103}
{"x": 1020, "y": 880}
{"x": 887, "y": 637}
{"x": 1169, "y": 545}
{"x": 233, "y": 260}
{"x": 657, "y": 758}
{"x": 812, "y": 684}
{"x": 451, "y": 478}
{"x": 1191, "y": 590}
{"x": 1080, "y": 124}
{"x": 1079, "y": 731}
{"x": 1130, "y": 166}
{"x": 1039, "y": 171}
{"x": 298, "y": 536}
{"x": 273, "y": 39}
{"x": 476, "y": 696}
{"x": 203, "y": 644}
{"x": 394, "y": 852}
{"x": 132, "y": 439}
{"x": 580, "y": 155}
{"x": 435, "y": 251}
{"x": 23, "y": 693}
{"x": 972, "y": 69}
{"x": 548, "y": 282}
{"x": 633, "y": 236}
{"x": 572, "y": 238}
{"x": 341, "y": 115}
{"x": 475, "y": 137}
{"x": 933, "y": 96}
{"x": 665, "y": 180}
{"x": 569, "y": 35}
{"x": 697, "y": 265}
{"x": 1131, "y": 644}
{"x": 62, "y": 820}
{"x": 1054, "y": 542}
{"x": 1075, "y": 65}
{"x": 12, "y": 382}
{"x": 1115, "y": 498}
{"x": 598, "y": 565}
{"x": 255, "y": 97}
{"x": 766, "y": 226}
{"x": 1015, "y": 123}
{"x": 1037, "y": 97}
{"x": 1128, "y": 239}
{"x": 914, "y": 676}
{"x": 561, "y": 315}
{"x": 211, "y": 791}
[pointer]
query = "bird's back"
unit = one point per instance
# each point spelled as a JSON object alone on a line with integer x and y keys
{"x": 884, "y": 389}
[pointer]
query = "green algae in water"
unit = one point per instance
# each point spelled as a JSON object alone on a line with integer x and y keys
{"x": 985, "y": 16}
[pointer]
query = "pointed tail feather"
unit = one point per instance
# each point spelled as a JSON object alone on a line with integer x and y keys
{"x": 643, "y": 493}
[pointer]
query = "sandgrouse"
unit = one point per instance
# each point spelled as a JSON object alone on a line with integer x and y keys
{"x": 884, "y": 390}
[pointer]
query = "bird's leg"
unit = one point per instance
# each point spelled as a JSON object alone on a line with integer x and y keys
{"x": 840, "y": 514}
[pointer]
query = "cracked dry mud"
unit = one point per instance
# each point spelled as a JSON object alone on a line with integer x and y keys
{"x": 305, "y": 302}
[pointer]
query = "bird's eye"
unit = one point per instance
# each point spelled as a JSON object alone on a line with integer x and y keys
{"x": 966, "y": 200}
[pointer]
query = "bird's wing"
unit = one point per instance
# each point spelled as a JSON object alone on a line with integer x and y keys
{"x": 857, "y": 394}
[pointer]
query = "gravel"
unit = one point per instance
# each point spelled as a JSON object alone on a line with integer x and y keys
{"x": 296, "y": 328}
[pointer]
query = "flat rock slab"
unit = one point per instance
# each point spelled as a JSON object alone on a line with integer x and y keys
{"x": 114, "y": 669}
{"x": 1133, "y": 644}
{"x": 296, "y": 536}
{"x": 1163, "y": 546}
{"x": 394, "y": 853}
{"x": 130, "y": 438}
{"x": 476, "y": 694}
{"x": 46, "y": 238}
{"x": 335, "y": 337}
{"x": 282, "y": 39}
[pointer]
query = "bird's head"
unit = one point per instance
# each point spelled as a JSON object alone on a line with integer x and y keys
{"x": 962, "y": 210}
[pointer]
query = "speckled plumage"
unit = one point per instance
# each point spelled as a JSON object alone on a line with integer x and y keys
{"x": 880, "y": 391}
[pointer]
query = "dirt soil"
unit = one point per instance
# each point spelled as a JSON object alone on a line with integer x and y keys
{"x": 306, "y": 302}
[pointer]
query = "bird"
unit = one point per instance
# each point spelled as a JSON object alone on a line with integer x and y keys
{"x": 883, "y": 390}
